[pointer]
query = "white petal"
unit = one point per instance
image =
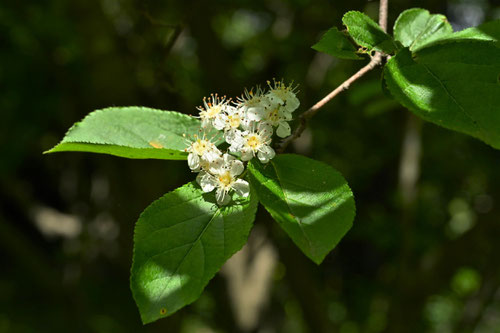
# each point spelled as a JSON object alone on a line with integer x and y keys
{"x": 215, "y": 167}
{"x": 222, "y": 197}
{"x": 212, "y": 155}
{"x": 193, "y": 161}
{"x": 246, "y": 154}
{"x": 220, "y": 122}
{"x": 285, "y": 115}
{"x": 265, "y": 154}
{"x": 229, "y": 136}
{"x": 255, "y": 113}
{"x": 283, "y": 129}
{"x": 237, "y": 168}
{"x": 207, "y": 182}
{"x": 228, "y": 158}
{"x": 241, "y": 188}
{"x": 274, "y": 98}
{"x": 237, "y": 141}
{"x": 247, "y": 124}
{"x": 292, "y": 102}
{"x": 230, "y": 110}
{"x": 265, "y": 130}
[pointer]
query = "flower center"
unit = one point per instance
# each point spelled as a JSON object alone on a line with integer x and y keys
{"x": 213, "y": 111}
{"x": 274, "y": 116}
{"x": 225, "y": 179}
{"x": 200, "y": 146}
{"x": 253, "y": 141}
{"x": 234, "y": 121}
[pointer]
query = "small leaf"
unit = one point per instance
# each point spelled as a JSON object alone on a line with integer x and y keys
{"x": 367, "y": 33}
{"x": 180, "y": 242}
{"x": 452, "y": 84}
{"x": 416, "y": 27}
{"x": 336, "y": 44}
{"x": 132, "y": 132}
{"x": 310, "y": 200}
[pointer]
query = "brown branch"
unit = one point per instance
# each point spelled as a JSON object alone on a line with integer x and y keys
{"x": 374, "y": 62}
{"x": 304, "y": 117}
{"x": 382, "y": 14}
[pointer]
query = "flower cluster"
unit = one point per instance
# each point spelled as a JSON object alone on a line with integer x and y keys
{"x": 248, "y": 125}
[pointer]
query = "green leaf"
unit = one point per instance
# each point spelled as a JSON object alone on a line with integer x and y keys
{"x": 489, "y": 31}
{"x": 416, "y": 27}
{"x": 310, "y": 200}
{"x": 180, "y": 242}
{"x": 132, "y": 132}
{"x": 454, "y": 85}
{"x": 336, "y": 44}
{"x": 367, "y": 33}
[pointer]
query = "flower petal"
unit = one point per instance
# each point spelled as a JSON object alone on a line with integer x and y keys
{"x": 222, "y": 197}
{"x": 193, "y": 161}
{"x": 283, "y": 129}
{"x": 206, "y": 181}
{"x": 237, "y": 168}
{"x": 246, "y": 154}
{"x": 241, "y": 188}
{"x": 265, "y": 154}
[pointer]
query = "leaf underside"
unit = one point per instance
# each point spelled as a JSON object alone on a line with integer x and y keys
{"x": 310, "y": 200}
{"x": 180, "y": 242}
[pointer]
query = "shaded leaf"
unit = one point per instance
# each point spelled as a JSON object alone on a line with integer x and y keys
{"x": 180, "y": 242}
{"x": 336, "y": 44}
{"x": 310, "y": 200}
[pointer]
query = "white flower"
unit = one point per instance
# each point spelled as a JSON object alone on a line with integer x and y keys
{"x": 224, "y": 179}
{"x": 253, "y": 104}
{"x": 278, "y": 116}
{"x": 213, "y": 108}
{"x": 230, "y": 121}
{"x": 282, "y": 94}
{"x": 202, "y": 152}
{"x": 254, "y": 143}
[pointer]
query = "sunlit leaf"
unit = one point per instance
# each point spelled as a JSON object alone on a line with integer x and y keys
{"x": 416, "y": 27}
{"x": 181, "y": 240}
{"x": 367, "y": 33}
{"x": 453, "y": 84}
{"x": 310, "y": 200}
{"x": 132, "y": 132}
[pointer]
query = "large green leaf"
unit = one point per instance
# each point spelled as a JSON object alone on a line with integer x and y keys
{"x": 310, "y": 200}
{"x": 367, "y": 33}
{"x": 489, "y": 31}
{"x": 132, "y": 132}
{"x": 416, "y": 27}
{"x": 180, "y": 242}
{"x": 452, "y": 84}
{"x": 336, "y": 44}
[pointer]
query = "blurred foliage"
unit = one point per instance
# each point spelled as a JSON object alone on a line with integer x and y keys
{"x": 66, "y": 221}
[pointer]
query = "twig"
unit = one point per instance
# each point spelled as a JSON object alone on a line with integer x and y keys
{"x": 304, "y": 117}
{"x": 382, "y": 14}
{"x": 374, "y": 62}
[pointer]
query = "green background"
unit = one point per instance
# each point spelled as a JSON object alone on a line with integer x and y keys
{"x": 419, "y": 258}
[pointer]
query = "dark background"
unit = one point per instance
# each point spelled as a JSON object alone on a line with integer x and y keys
{"x": 423, "y": 255}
